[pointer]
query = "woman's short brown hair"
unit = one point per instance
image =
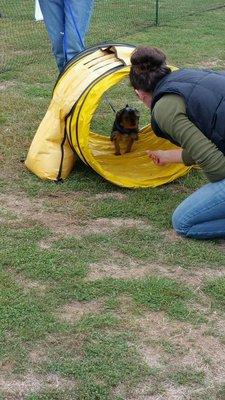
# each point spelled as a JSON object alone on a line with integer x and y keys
{"x": 148, "y": 67}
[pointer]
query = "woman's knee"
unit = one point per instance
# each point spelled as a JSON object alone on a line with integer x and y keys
{"x": 180, "y": 222}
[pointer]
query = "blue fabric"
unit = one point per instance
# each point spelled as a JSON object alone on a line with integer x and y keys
{"x": 202, "y": 215}
{"x": 204, "y": 95}
{"x": 67, "y": 22}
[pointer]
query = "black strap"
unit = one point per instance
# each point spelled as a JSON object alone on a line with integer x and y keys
{"x": 59, "y": 179}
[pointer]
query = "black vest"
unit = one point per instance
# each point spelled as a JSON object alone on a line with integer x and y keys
{"x": 204, "y": 96}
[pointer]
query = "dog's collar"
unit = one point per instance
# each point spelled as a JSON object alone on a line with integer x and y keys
{"x": 127, "y": 131}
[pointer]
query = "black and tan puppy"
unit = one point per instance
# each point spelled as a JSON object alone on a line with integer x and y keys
{"x": 125, "y": 126}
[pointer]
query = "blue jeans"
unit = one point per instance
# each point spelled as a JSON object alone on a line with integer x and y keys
{"x": 202, "y": 215}
{"x": 67, "y": 22}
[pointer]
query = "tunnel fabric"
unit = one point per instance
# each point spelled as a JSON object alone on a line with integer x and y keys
{"x": 64, "y": 132}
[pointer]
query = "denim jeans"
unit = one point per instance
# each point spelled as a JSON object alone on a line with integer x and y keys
{"x": 202, "y": 215}
{"x": 67, "y": 22}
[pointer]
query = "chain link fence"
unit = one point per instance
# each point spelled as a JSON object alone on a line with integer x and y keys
{"x": 24, "y": 40}
{"x": 167, "y": 10}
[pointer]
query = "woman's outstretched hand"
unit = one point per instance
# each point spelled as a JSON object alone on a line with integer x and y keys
{"x": 162, "y": 157}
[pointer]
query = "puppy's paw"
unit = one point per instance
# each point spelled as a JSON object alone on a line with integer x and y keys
{"x": 117, "y": 153}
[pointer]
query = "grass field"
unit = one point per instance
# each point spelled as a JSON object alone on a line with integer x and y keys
{"x": 99, "y": 300}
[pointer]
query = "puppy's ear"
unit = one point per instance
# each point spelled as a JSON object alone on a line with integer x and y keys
{"x": 137, "y": 113}
{"x": 119, "y": 115}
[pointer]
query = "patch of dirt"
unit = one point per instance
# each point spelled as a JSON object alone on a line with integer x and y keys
{"x": 171, "y": 236}
{"x": 198, "y": 276}
{"x": 221, "y": 244}
{"x": 194, "y": 277}
{"x": 38, "y": 355}
{"x": 218, "y": 327}
{"x": 176, "y": 393}
{"x": 6, "y": 366}
{"x": 47, "y": 243}
{"x": 24, "y": 385}
{"x": 128, "y": 267}
{"x": 210, "y": 63}
{"x": 134, "y": 270}
{"x": 6, "y": 85}
{"x": 3, "y": 220}
{"x": 21, "y": 52}
{"x": 172, "y": 392}
{"x": 69, "y": 203}
{"x": 179, "y": 188}
{"x": 151, "y": 355}
{"x": 145, "y": 391}
{"x": 111, "y": 195}
{"x": 25, "y": 283}
{"x": 61, "y": 223}
{"x": 197, "y": 350}
{"x": 125, "y": 309}
{"x": 104, "y": 225}
{"x": 74, "y": 311}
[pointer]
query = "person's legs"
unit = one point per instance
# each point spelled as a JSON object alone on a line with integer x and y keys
{"x": 202, "y": 215}
{"x": 77, "y": 19}
{"x": 53, "y": 13}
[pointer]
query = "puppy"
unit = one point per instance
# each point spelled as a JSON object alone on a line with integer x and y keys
{"x": 125, "y": 126}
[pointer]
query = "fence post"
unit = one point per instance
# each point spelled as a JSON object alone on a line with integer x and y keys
{"x": 157, "y": 12}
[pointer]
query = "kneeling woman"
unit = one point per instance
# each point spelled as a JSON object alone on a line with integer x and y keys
{"x": 188, "y": 109}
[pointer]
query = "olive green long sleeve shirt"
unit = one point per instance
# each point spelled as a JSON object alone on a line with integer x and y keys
{"x": 170, "y": 115}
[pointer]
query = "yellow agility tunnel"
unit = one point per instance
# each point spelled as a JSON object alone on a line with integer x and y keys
{"x": 64, "y": 132}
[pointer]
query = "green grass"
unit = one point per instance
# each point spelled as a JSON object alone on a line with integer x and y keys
{"x": 151, "y": 288}
{"x": 216, "y": 290}
{"x": 106, "y": 357}
{"x": 155, "y": 293}
{"x": 188, "y": 377}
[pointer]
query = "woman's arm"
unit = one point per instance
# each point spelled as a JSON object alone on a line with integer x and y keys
{"x": 170, "y": 114}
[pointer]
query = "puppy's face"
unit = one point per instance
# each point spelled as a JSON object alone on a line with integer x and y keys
{"x": 128, "y": 117}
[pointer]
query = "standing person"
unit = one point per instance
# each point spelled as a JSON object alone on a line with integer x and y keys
{"x": 188, "y": 109}
{"x": 67, "y": 22}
